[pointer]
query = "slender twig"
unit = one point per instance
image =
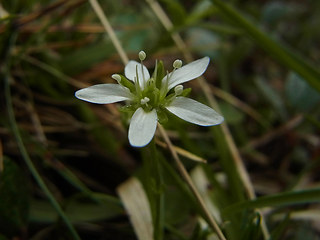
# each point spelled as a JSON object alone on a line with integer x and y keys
{"x": 104, "y": 20}
{"x": 188, "y": 180}
{"x": 158, "y": 195}
{"x": 243, "y": 174}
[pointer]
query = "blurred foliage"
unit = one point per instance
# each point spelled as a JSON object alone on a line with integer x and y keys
{"x": 264, "y": 57}
{"x": 14, "y": 195}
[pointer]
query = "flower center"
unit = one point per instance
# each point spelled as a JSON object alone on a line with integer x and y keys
{"x": 152, "y": 93}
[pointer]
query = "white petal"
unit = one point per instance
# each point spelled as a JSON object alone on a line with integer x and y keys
{"x": 194, "y": 112}
{"x": 104, "y": 93}
{"x": 130, "y": 72}
{"x": 188, "y": 72}
{"x": 142, "y": 127}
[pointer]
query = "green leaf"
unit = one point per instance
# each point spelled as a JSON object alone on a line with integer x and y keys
{"x": 274, "y": 11}
{"x": 201, "y": 10}
{"x": 127, "y": 83}
{"x": 283, "y": 54}
{"x": 251, "y": 228}
{"x": 279, "y": 230}
{"x": 86, "y": 57}
{"x": 176, "y": 11}
{"x": 272, "y": 96}
{"x": 207, "y": 43}
{"x": 159, "y": 73}
{"x": 299, "y": 94}
{"x": 42, "y": 211}
{"x": 282, "y": 199}
{"x": 231, "y": 114}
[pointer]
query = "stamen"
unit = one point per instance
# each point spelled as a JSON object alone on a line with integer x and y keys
{"x": 144, "y": 101}
{"x": 177, "y": 64}
{"x": 155, "y": 70}
{"x": 142, "y": 55}
{"x": 144, "y": 79}
{"x": 143, "y": 83}
{"x": 164, "y": 86}
{"x": 137, "y": 77}
{"x": 178, "y": 90}
{"x": 117, "y": 78}
{"x": 136, "y": 84}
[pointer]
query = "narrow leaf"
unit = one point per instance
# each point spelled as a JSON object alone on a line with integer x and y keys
{"x": 282, "y": 199}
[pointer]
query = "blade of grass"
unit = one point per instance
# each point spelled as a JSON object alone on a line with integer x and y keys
{"x": 282, "y": 199}
{"x": 153, "y": 185}
{"x": 183, "y": 152}
{"x": 96, "y": 7}
{"x": 277, "y": 50}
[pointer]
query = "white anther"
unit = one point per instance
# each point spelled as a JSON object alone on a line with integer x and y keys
{"x": 144, "y": 100}
{"x": 116, "y": 77}
{"x": 178, "y": 89}
{"x": 177, "y": 63}
{"x": 142, "y": 55}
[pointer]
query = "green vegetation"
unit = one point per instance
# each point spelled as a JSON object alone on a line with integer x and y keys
{"x": 62, "y": 160}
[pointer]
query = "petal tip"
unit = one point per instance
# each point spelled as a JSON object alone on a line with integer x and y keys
{"x": 218, "y": 120}
{"x": 142, "y": 127}
{"x": 139, "y": 145}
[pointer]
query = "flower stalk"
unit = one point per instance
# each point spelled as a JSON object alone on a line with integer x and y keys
{"x": 192, "y": 187}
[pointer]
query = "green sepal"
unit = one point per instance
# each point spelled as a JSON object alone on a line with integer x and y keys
{"x": 170, "y": 98}
{"x": 159, "y": 73}
{"x": 147, "y": 107}
{"x": 155, "y": 97}
{"x": 186, "y": 92}
{"x": 150, "y": 86}
{"x": 127, "y": 83}
{"x": 162, "y": 116}
{"x": 128, "y": 109}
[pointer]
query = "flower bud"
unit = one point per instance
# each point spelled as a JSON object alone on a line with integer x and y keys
{"x": 177, "y": 63}
{"x": 142, "y": 55}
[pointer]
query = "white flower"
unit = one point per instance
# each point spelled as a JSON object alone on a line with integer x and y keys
{"x": 150, "y": 97}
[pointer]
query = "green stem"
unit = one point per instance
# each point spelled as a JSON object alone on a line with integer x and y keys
{"x": 154, "y": 168}
{"x": 23, "y": 150}
{"x": 160, "y": 197}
